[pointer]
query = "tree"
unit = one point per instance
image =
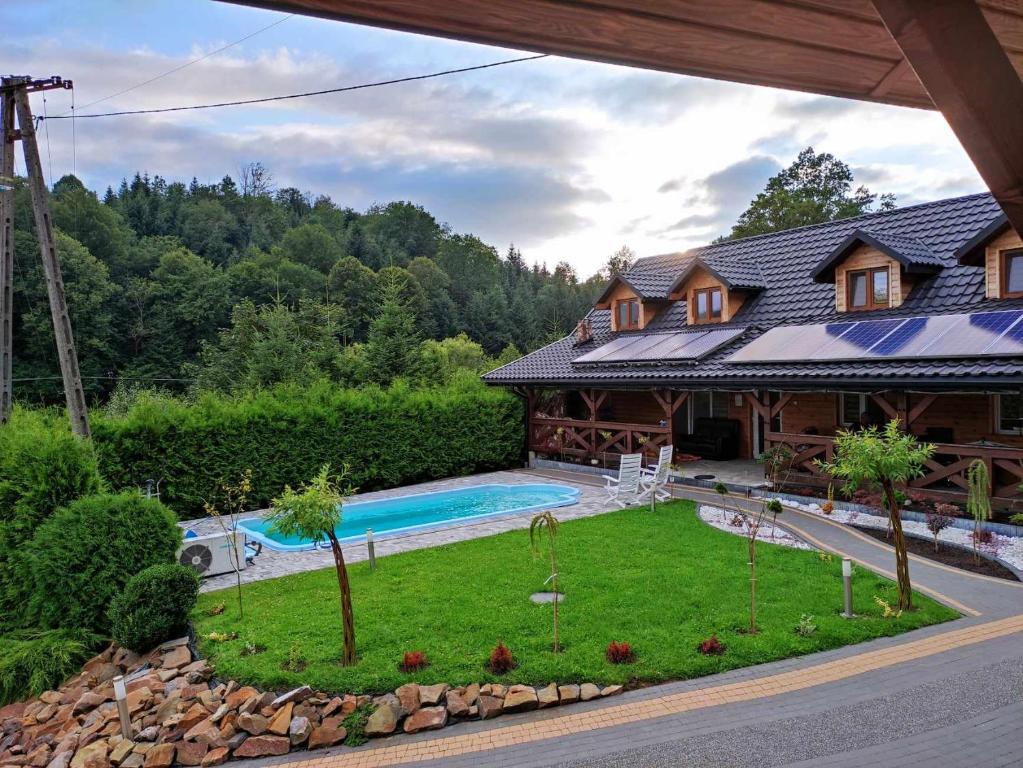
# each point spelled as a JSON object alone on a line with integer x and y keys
{"x": 208, "y": 229}
{"x": 230, "y": 499}
{"x": 257, "y": 181}
{"x": 547, "y": 523}
{"x": 978, "y": 502}
{"x": 618, "y": 262}
{"x": 752, "y": 523}
{"x": 882, "y": 458}
{"x": 443, "y": 360}
{"x": 393, "y": 346}
{"x": 402, "y": 231}
{"x": 353, "y": 287}
{"x": 314, "y": 512}
{"x": 814, "y": 189}
{"x": 313, "y": 246}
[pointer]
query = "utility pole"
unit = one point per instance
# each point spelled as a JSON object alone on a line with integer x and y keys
{"x": 14, "y": 93}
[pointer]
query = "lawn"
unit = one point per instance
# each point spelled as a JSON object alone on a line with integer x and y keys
{"x": 660, "y": 581}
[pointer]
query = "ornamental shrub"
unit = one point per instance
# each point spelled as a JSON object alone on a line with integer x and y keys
{"x": 33, "y": 661}
{"x": 501, "y": 659}
{"x": 154, "y": 606}
{"x": 82, "y": 557}
{"x": 390, "y": 437}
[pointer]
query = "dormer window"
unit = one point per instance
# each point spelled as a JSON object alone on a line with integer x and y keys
{"x": 1012, "y": 274}
{"x": 707, "y": 304}
{"x": 627, "y": 312}
{"x": 868, "y": 289}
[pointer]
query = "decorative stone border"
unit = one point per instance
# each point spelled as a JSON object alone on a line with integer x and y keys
{"x": 180, "y": 716}
{"x": 769, "y": 534}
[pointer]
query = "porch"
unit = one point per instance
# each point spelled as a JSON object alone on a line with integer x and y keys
{"x": 596, "y": 427}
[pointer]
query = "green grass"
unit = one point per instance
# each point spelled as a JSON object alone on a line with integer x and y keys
{"x": 661, "y": 581}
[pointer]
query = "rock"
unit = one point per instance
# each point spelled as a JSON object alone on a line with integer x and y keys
{"x": 588, "y": 691}
{"x": 134, "y": 760}
{"x": 426, "y": 719}
{"x": 281, "y": 720}
{"x": 88, "y": 701}
{"x": 236, "y": 741}
{"x": 263, "y": 746}
{"x": 61, "y": 760}
{"x": 105, "y": 672}
{"x": 219, "y": 715}
{"x": 206, "y": 733}
{"x": 383, "y": 721}
{"x": 46, "y": 713}
{"x": 299, "y": 730}
{"x": 192, "y": 752}
{"x": 327, "y": 735}
{"x": 91, "y": 756}
{"x": 47, "y": 697}
{"x": 611, "y": 690}
{"x": 237, "y": 698}
{"x": 297, "y": 695}
{"x": 139, "y": 699}
{"x": 568, "y": 694}
{"x": 389, "y": 699}
{"x": 489, "y": 706}
{"x": 251, "y": 704}
{"x": 177, "y": 657}
{"x": 168, "y": 707}
{"x": 39, "y": 757}
{"x": 215, "y": 757}
{"x": 433, "y": 695}
{"x": 408, "y": 698}
{"x": 160, "y": 756}
{"x": 520, "y": 698}
{"x": 493, "y": 689}
{"x": 171, "y": 644}
{"x": 547, "y": 696}
{"x": 125, "y": 658}
{"x": 332, "y": 706}
{"x": 254, "y": 724}
{"x": 471, "y": 693}
{"x": 121, "y": 751}
{"x": 456, "y": 705}
{"x": 148, "y": 734}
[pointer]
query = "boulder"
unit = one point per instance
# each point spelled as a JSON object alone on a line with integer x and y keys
{"x": 177, "y": 657}
{"x": 160, "y": 756}
{"x": 134, "y": 760}
{"x": 93, "y": 755}
{"x": 456, "y": 705}
{"x": 547, "y": 696}
{"x": 426, "y": 719}
{"x": 611, "y": 690}
{"x": 520, "y": 698}
{"x": 296, "y": 695}
{"x": 139, "y": 699}
{"x": 60, "y": 760}
{"x": 39, "y": 757}
{"x": 382, "y": 722}
{"x": 281, "y": 720}
{"x": 471, "y": 693}
{"x": 568, "y": 694}
{"x": 215, "y": 757}
{"x": 192, "y": 752}
{"x": 254, "y": 724}
{"x": 432, "y": 695}
{"x": 588, "y": 691}
{"x": 489, "y": 706}
{"x": 408, "y": 698}
{"x": 332, "y": 706}
{"x": 327, "y": 735}
{"x": 121, "y": 750}
{"x": 235, "y": 699}
{"x": 299, "y": 730}
{"x": 263, "y": 746}
{"x": 88, "y": 701}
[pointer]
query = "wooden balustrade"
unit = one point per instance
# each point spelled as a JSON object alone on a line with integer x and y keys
{"x": 579, "y": 437}
{"x": 944, "y": 472}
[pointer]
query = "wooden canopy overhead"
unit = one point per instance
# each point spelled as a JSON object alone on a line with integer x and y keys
{"x": 960, "y": 56}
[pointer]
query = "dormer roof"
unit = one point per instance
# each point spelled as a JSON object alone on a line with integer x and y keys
{"x": 914, "y": 255}
{"x": 734, "y": 274}
{"x": 972, "y": 251}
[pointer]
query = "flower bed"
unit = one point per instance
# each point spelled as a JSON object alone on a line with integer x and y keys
{"x": 769, "y": 534}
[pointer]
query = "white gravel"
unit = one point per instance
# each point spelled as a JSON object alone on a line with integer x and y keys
{"x": 771, "y": 534}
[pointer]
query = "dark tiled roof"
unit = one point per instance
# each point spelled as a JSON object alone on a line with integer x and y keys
{"x": 735, "y": 273}
{"x": 785, "y": 261}
{"x": 914, "y": 255}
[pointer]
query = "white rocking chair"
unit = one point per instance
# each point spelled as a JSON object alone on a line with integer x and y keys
{"x": 624, "y": 489}
{"x": 654, "y": 481}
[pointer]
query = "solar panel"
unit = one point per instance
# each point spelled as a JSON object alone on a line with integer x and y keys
{"x": 658, "y": 347}
{"x": 965, "y": 335}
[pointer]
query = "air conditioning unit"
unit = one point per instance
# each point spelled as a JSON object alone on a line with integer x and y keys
{"x": 210, "y": 555}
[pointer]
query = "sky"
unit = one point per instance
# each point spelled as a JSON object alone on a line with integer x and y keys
{"x": 567, "y": 159}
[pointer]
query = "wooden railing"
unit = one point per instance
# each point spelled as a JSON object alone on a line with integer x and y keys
{"x": 945, "y": 471}
{"x": 579, "y": 437}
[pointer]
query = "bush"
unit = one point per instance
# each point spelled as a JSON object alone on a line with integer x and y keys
{"x": 154, "y": 606}
{"x": 83, "y": 556}
{"x": 711, "y": 646}
{"x": 501, "y": 659}
{"x": 619, "y": 653}
{"x": 35, "y": 661}
{"x": 390, "y": 437}
{"x": 413, "y": 661}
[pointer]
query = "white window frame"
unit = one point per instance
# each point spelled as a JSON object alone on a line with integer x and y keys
{"x": 1017, "y": 432}
{"x": 862, "y": 400}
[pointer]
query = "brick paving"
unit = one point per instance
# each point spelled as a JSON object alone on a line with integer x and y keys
{"x": 743, "y": 717}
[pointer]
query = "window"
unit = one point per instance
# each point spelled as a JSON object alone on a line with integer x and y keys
{"x": 707, "y": 304}
{"x": 1012, "y": 274}
{"x": 867, "y": 288}
{"x": 628, "y": 314}
{"x": 1009, "y": 414}
{"x": 707, "y": 404}
{"x": 851, "y": 407}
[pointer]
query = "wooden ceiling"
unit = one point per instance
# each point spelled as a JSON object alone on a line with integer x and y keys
{"x": 832, "y": 47}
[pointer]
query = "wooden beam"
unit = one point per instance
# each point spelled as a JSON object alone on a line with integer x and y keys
{"x": 918, "y": 410}
{"x": 780, "y": 405}
{"x": 761, "y": 408}
{"x": 884, "y": 405}
{"x": 971, "y": 79}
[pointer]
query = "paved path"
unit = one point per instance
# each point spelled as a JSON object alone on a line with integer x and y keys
{"x": 948, "y": 695}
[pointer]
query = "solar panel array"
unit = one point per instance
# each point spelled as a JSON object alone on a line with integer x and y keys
{"x": 981, "y": 334}
{"x": 661, "y": 347}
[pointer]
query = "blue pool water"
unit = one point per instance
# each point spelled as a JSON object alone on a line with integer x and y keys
{"x": 421, "y": 510}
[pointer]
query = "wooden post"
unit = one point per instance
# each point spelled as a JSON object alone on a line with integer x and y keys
{"x": 73, "y": 391}
{"x": 6, "y": 253}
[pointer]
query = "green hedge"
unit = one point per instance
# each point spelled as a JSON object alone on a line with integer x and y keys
{"x": 389, "y": 437}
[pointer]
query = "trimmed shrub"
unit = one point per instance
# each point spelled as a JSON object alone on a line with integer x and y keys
{"x": 619, "y": 653}
{"x": 501, "y": 659}
{"x": 33, "y": 661}
{"x": 83, "y": 556}
{"x": 413, "y": 661}
{"x": 389, "y": 437}
{"x": 154, "y": 606}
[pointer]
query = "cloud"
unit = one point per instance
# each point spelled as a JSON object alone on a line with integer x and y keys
{"x": 817, "y": 107}
{"x": 656, "y": 97}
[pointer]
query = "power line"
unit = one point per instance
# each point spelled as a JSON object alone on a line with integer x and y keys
{"x": 187, "y": 63}
{"x": 361, "y": 86}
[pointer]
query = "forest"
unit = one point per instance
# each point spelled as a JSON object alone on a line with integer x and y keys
{"x": 239, "y": 284}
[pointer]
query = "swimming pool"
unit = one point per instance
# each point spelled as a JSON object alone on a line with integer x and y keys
{"x": 398, "y": 514}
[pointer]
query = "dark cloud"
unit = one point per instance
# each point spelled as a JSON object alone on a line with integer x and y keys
{"x": 672, "y": 185}
{"x": 817, "y": 108}
{"x": 656, "y": 97}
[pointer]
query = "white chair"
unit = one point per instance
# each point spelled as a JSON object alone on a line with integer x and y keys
{"x": 624, "y": 489}
{"x": 654, "y": 480}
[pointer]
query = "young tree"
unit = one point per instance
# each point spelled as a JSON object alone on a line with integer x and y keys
{"x": 752, "y": 522}
{"x": 393, "y": 346}
{"x": 314, "y": 512}
{"x": 978, "y": 502}
{"x": 882, "y": 458}
{"x": 230, "y": 499}
{"x": 546, "y": 522}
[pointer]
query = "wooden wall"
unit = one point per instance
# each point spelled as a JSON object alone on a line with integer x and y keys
{"x": 993, "y": 262}
{"x": 811, "y": 409}
{"x": 731, "y": 301}
{"x": 867, "y": 257}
